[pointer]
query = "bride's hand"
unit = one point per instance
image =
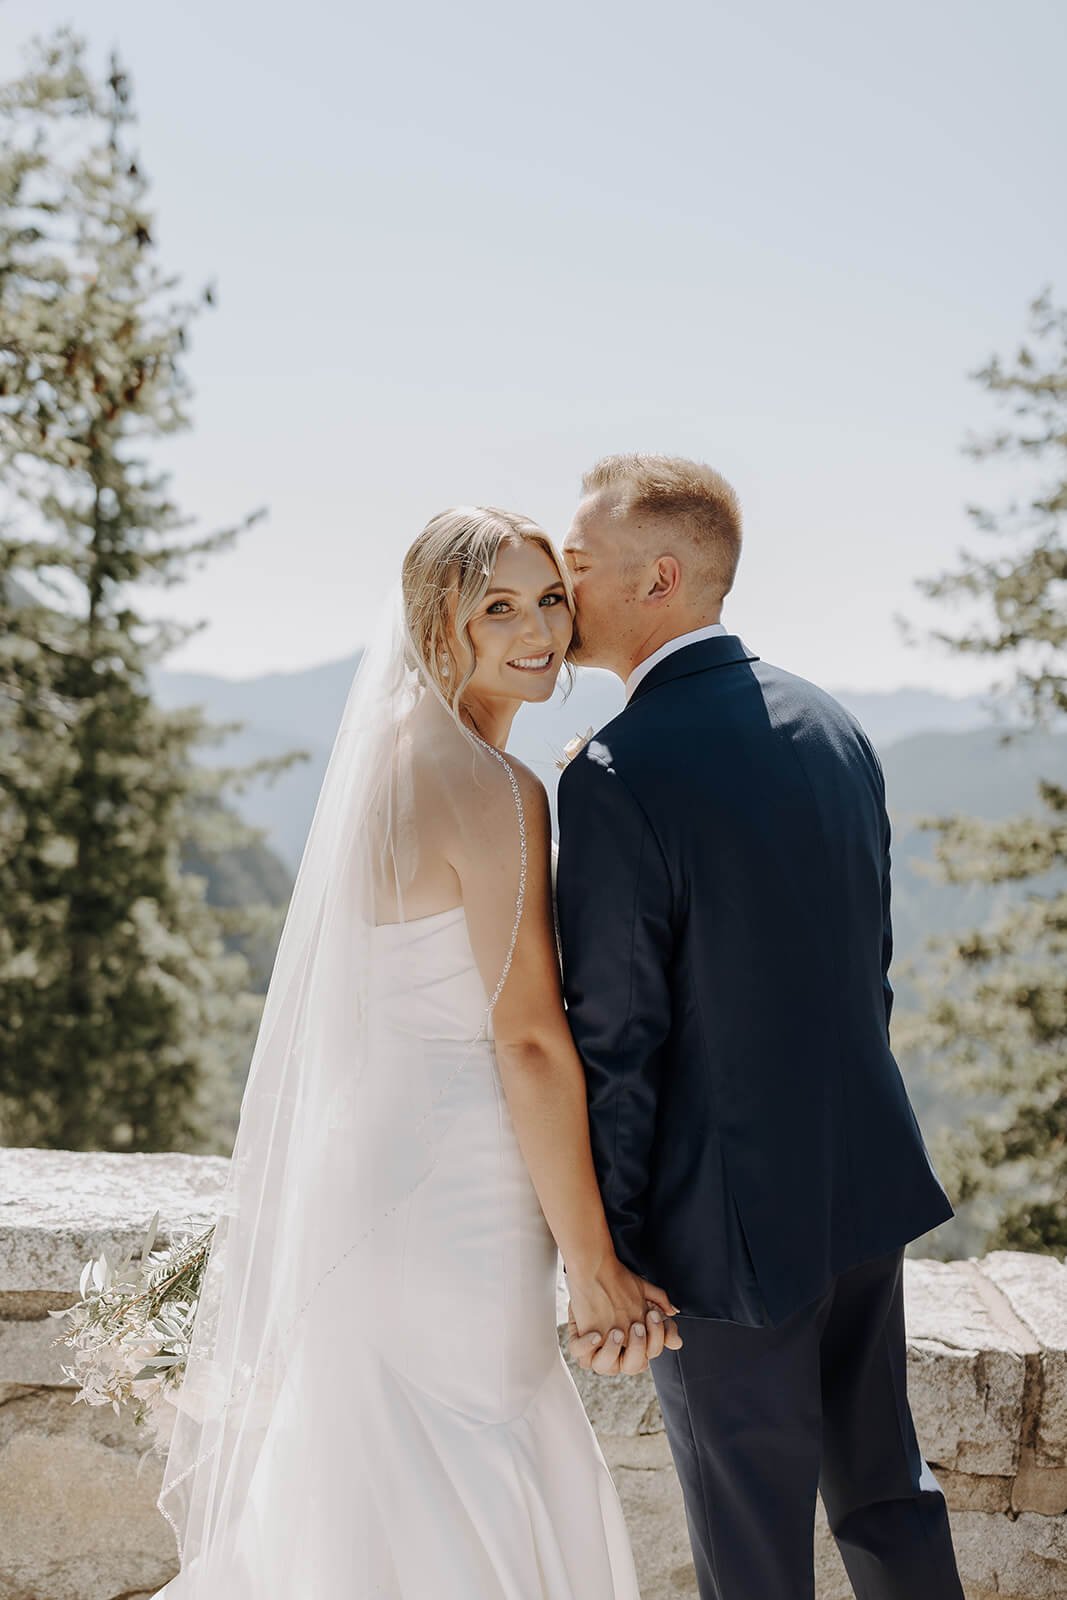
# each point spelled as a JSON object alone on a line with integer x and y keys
{"x": 616, "y": 1358}
{"x": 618, "y": 1322}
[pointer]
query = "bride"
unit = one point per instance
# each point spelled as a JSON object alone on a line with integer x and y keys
{"x": 375, "y": 1403}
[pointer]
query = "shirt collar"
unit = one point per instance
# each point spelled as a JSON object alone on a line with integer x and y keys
{"x": 712, "y": 631}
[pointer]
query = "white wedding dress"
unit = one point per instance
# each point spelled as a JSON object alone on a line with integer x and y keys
{"x": 454, "y": 1460}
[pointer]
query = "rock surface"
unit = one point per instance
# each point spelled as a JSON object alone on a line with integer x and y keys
{"x": 59, "y": 1207}
{"x": 78, "y": 1519}
{"x": 987, "y": 1370}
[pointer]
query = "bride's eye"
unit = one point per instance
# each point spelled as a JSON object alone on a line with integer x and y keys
{"x": 551, "y": 599}
{"x": 493, "y": 609}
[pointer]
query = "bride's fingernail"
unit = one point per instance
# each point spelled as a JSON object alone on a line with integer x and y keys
{"x": 638, "y": 1330}
{"x": 594, "y": 1338}
{"x": 655, "y": 1316}
{"x": 616, "y": 1334}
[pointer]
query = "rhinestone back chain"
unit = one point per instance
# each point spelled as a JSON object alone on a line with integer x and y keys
{"x": 520, "y": 899}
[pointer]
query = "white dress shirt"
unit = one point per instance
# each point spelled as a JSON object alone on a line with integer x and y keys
{"x": 693, "y": 637}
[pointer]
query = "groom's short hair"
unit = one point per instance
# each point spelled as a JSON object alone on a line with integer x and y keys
{"x": 688, "y": 492}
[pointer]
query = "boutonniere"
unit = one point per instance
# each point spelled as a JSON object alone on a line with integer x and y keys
{"x": 574, "y": 747}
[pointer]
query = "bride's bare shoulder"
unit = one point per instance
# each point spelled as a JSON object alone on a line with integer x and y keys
{"x": 470, "y": 789}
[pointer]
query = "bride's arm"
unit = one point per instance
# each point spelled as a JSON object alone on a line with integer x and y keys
{"x": 539, "y": 1065}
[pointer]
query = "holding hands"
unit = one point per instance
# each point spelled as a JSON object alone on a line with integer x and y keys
{"x": 617, "y": 1322}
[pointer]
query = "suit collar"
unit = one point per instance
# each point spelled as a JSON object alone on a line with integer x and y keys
{"x": 723, "y": 651}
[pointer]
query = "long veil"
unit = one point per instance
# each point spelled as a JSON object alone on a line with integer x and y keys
{"x": 308, "y": 1184}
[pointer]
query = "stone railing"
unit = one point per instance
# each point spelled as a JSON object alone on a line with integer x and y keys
{"x": 987, "y": 1377}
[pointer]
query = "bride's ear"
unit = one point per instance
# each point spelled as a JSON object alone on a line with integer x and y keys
{"x": 457, "y": 649}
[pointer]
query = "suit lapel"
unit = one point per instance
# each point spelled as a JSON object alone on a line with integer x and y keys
{"x": 723, "y": 651}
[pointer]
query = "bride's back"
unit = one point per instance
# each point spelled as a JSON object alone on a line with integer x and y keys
{"x": 448, "y": 795}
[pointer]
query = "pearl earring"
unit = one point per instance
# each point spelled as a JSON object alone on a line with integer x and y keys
{"x": 444, "y": 664}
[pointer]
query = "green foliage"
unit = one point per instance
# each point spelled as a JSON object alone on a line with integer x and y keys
{"x": 996, "y": 1021}
{"x": 121, "y": 989}
{"x": 1022, "y": 593}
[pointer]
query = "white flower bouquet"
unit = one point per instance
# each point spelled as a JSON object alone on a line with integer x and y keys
{"x": 132, "y": 1328}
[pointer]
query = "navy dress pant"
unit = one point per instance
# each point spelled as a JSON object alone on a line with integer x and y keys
{"x": 759, "y": 1419}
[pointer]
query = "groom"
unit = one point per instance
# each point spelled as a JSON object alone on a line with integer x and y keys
{"x": 723, "y": 893}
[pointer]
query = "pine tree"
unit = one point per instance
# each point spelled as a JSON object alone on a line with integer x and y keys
{"x": 997, "y": 1022}
{"x": 121, "y": 996}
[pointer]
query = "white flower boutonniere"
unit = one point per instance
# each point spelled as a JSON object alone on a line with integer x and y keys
{"x": 574, "y": 747}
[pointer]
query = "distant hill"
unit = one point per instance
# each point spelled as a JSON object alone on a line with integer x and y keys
{"x": 938, "y": 759}
{"x": 301, "y": 710}
{"x": 251, "y": 875}
{"x": 280, "y": 712}
{"x": 972, "y": 774}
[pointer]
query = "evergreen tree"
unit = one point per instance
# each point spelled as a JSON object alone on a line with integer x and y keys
{"x": 121, "y": 996}
{"x": 998, "y": 1019}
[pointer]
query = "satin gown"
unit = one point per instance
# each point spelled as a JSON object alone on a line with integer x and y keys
{"x": 453, "y": 1459}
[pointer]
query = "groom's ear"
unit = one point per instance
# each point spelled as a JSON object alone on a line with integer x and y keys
{"x": 666, "y": 579}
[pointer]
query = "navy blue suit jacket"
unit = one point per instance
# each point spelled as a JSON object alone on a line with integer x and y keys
{"x": 723, "y": 901}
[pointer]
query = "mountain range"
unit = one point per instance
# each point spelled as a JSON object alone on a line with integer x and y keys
{"x": 301, "y": 710}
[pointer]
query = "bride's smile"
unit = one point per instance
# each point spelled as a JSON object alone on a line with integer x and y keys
{"x": 535, "y": 663}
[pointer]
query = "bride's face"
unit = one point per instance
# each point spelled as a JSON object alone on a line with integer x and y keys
{"x": 522, "y": 627}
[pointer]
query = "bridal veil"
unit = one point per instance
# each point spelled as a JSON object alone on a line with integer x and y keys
{"x": 308, "y": 1183}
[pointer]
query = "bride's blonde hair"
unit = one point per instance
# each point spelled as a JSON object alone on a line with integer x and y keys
{"x": 452, "y": 561}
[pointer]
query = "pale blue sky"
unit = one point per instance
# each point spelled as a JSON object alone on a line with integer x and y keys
{"x": 462, "y": 251}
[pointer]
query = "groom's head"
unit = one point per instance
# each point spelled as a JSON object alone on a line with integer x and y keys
{"x": 652, "y": 550}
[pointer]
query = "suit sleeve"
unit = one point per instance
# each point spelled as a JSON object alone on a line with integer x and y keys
{"x": 887, "y": 923}
{"x": 875, "y": 767}
{"x": 615, "y": 919}
{"x": 887, "y": 919}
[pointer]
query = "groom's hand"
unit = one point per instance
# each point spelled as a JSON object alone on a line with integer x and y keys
{"x": 662, "y": 1332}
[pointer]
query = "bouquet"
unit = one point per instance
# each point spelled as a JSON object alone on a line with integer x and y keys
{"x": 132, "y": 1328}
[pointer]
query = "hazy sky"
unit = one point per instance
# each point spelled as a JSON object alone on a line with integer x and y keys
{"x": 463, "y": 250}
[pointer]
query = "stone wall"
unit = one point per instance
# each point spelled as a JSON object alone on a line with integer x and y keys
{"x": 987, "y": 1375}
{"x": 78, "y": 1519}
